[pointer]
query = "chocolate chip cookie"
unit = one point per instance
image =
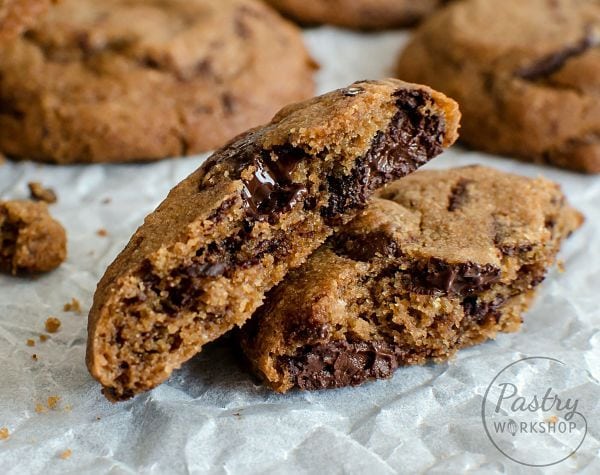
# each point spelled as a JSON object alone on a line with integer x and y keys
{"x": 439, "y": 260}
{"x": 16, "y": 15}
{"x": 31, "y": 241}
{"x": 137, "y": 80}
{"x": 526, "y": 75}
{"x": 202, "y": 262}
{"x": 362, "y": 14}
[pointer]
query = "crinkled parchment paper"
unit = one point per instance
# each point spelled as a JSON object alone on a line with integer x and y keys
{"x": 211, "y": 417}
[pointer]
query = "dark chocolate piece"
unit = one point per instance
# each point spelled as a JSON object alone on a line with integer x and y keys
{"x": 270, "y": 190}
{"x": 438, "y": 276}
{"x": 459, "y": 195}
{"x": 411, "y": 138}
{"x": 364, "y": 247}
{"x": 339, "y": 363}
{"x": 555, "y": 61}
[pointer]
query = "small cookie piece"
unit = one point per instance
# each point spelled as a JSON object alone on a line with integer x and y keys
{"x": 139, "y": 80}
{"x": 202, "y": 262}
{"x": 16, "y": 15}
{"x": 31, "y": 240}
{"x": 439, "y": 261}
{"x": 37, "y": 192}
{"x": 361, "y": 14}
{"x": 526, "y": 75}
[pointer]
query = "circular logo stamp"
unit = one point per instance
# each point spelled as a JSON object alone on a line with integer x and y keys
{"x": 529, "y": 421}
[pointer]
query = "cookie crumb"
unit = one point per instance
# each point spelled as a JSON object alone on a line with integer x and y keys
{"x": 102, "y": 232}
{"x": 30, "y": 342}
{"x": 106, "y": 200}
{"x": 34, "y": 357}
{"x": 68, "y": 408}
{"x": 52, "y": 324}
{"x": 98, "y": 418}
{"x": 39, "y": 408}
{"x": 53, "y": 402}
{"x": 66, "y": 454}
{"x": 43, "y": 338}
{"x": 73, "y": 306}
{"x": 552, "y": 419}
{"x": 560, "y": 264}
{"x": 4, "y": 434}
{"x": 38, "y": 193}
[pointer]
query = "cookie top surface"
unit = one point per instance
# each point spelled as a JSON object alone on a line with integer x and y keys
{"x": 16, "y": 15}
{"x": 471, "y": 215}
{"x": 473, "y": 219}
{"x": 368, "y": 14}
{"x": 146, "y": 79}
{"x": 527, "y": 75}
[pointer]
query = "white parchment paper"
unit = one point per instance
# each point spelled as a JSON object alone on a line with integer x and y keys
{"x": 211, "y": 417}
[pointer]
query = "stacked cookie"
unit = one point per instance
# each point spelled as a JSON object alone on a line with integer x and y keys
{"x": 203, "y": 262}
{"x": 298, "y": 231}
{"x": 278, "y": 228}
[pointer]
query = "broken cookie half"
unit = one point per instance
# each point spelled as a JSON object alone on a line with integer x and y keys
{"x": 203, "y": 261}
{"x": 439, "y": 261}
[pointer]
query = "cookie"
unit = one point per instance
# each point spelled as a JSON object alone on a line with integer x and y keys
{"x": 202, "y": 262}
{"x": 526, "y": 75}
{"x": 440, "y": 260}
{"x": 31, "y": 241}
{"x": 138, "y": 80}
{"x": 362, "y": 14}
{"x": 16, "y": 15}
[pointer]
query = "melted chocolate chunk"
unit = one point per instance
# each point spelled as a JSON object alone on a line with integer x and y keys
{"x": 218, "y": 259}
{"x": 478, "y": 310}
{"x": 270, "y": 190}
{"x": 413, "y": 137}
{"x": 340, "y": 363}
{"x": 555, "y": 61}
{"x": 438, "y": 276}
{"x": 298, "y": 329}
{"x": 515, "y": 250}
{"x": 364, "y": 247}
{"x": 459, "y": 195}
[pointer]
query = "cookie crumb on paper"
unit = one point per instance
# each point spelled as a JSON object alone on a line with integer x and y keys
{"x": 53, "y": 402}
{"x": 37, "y": 192}
{"x": 52, "y": 324}
{"x": 73, "y": 306}
{"x": 66, "y": 454}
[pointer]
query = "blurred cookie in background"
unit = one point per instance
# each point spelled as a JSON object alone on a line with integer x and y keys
{"x": 526, "y": 75}
{"x": 119, "y": 81}
{"x": 360, "y": 14}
